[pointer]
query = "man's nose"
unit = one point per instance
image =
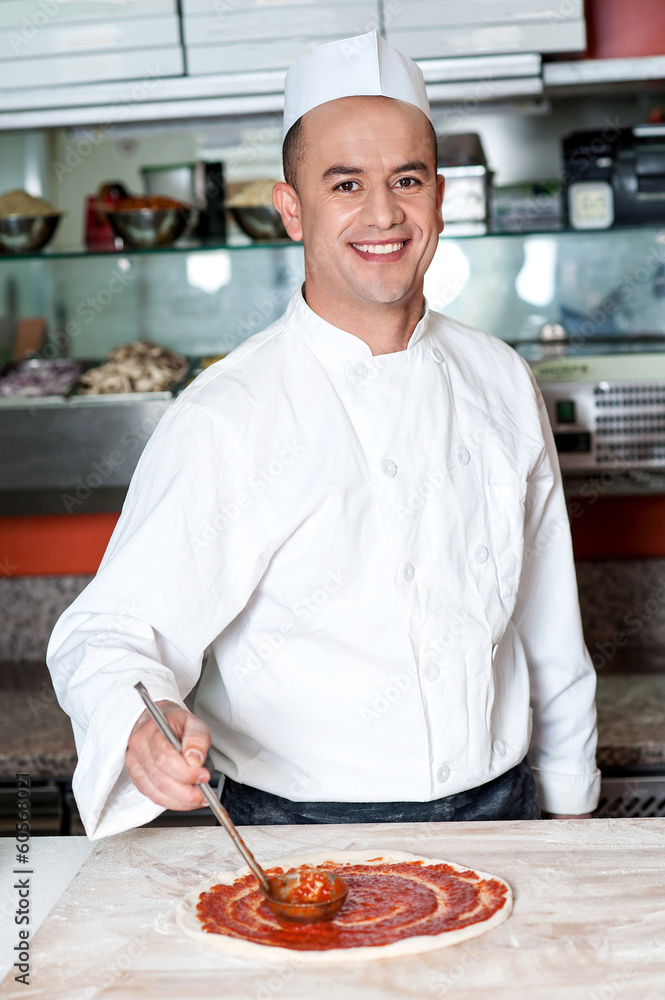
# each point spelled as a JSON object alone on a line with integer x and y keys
{"x": 381, "y": 208}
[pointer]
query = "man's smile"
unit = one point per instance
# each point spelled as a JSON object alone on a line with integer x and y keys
{"x": 387, "y": 250}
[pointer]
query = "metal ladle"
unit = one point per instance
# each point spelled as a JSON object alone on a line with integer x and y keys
{"x": 278, "y": 889}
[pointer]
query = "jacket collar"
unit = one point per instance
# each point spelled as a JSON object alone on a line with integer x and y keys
{"x": 332, "y": 344}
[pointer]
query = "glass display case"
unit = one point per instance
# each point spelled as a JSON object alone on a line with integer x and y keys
{"x": 207, "y": 299}
{"x": 540, "y": 291}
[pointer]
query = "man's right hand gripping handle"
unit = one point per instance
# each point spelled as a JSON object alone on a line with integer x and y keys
{"x": 158, "y": 770}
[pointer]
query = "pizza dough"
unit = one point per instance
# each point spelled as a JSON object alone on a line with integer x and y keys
{"x": 453, "y": 895}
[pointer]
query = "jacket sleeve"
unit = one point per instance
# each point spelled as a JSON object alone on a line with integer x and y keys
{"x": 188, "y": 551}
{"x": 547, "y": 617}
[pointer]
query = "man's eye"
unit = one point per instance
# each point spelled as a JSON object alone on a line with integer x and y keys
{"x": 346, "y": 186}
{"x": 407, "y": 182}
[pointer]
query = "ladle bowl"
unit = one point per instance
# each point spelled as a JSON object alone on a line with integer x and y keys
{"x": 301, "y": 910}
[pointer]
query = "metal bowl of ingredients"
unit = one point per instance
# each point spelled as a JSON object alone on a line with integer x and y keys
{"x": 27, "y": 224}
{"x": 153, "y": 221}
{"x": 253, "y": 210}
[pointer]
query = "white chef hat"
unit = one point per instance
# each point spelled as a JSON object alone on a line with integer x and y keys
{"x": 365, "y": 65}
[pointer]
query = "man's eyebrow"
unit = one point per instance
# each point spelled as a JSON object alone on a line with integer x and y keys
{"x": 413, "y": 167}
{"x": 339, "y": 170}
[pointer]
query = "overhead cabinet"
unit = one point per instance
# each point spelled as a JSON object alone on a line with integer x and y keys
{"x": 228, "y": 57}
{"x": 40, "y": 14}
{"x": 426, "y": 29}
{"x": 258, "y": 35}
{"x": 87, "y": 41}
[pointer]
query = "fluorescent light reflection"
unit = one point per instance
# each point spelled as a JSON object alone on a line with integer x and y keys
{"x": 447, "y": 275}
{"x": 536, "y": 281}
{"x": 209, "y": 271}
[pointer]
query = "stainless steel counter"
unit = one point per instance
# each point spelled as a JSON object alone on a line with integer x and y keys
{"x": 76, "y": 456}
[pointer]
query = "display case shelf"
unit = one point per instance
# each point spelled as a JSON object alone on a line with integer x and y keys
{"x": 238, "y": 243}
{"x": 204, "y": 299}
{"x": 186, "y": 247}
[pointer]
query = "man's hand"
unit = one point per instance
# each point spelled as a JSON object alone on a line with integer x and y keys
{"x": 566, "y": 815}
{"x": 158, "y": 770}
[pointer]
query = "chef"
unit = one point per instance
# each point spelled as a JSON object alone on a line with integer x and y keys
{"x": 346, "y": 544}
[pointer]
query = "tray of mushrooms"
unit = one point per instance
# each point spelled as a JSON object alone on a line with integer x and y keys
{"x": 133, "y": 370}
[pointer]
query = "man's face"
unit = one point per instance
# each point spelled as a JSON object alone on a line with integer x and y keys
{"x": 368, "y": 208}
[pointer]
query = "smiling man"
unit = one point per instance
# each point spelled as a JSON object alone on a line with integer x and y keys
{"x": 370, "y": 219}
{"x": 391, "y": 608}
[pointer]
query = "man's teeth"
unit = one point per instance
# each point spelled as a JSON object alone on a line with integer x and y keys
{"x": 378, "y": 247}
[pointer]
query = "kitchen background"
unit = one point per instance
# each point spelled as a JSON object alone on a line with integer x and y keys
{"x": 551, "y": 119}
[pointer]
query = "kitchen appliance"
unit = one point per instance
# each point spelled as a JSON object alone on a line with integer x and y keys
{"x": 608, "y": 414}
{"x": 588, "y": 160}
{"x": 462, "y": 160}
{"x": 639, "y": 175}
{"x": 615, "y": 176}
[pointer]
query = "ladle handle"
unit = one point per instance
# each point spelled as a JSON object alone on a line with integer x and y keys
{"x": 218, "y": 809}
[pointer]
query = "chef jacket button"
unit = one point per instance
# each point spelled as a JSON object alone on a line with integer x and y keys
{"x": 432, "y": 672}
{"x": 463, "y": 456}
{"x": 359, "y": 371}
{"x": 443, "y": 773}
{"x": 437, "y": 355}
{"x": 408, "y": 572}
{"x": 481, "y": 554}
{"x": 389, "y": 468}
{"x": 499, "y": 748}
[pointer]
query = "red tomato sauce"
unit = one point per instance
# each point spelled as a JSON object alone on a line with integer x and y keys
{"x": 311, "y": 888}
{"x": 386, "y": 903}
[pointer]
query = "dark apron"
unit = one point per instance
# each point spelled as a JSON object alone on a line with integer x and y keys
{"x": 510, "y": 796}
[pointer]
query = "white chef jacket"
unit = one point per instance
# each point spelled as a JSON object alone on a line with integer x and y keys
{"x": 375, "y": 548}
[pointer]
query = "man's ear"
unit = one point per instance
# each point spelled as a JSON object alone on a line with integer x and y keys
{"x": 440, "y": 191}
{"x": 287, "y": 202}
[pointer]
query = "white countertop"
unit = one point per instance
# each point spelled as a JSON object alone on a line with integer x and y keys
{"x": 588, "y": 921}
{"x": 54, "y": 862}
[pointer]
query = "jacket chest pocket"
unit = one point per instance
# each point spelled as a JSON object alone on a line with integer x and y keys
{"x": 507, "y": 505}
